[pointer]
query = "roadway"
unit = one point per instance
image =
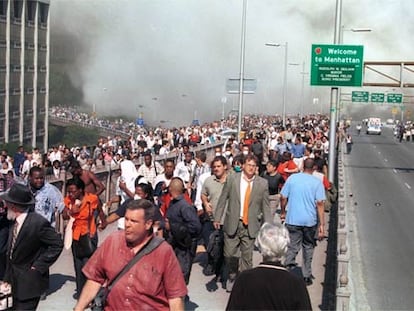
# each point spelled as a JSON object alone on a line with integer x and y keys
{"x": 380, "y": 183}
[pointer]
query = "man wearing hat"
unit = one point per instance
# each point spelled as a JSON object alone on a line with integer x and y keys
{"x": 33, "y": 247}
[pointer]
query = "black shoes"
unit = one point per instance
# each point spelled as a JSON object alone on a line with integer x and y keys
{"x": 290, "y": 267}
{"x": 308, "y": 281}
{"x": 229, "y": 285}
{"x": 209, "y": 270}
{"x": 212, "y": 285}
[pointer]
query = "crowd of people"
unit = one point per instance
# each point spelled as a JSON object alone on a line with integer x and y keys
{"x": 230, "y": 203}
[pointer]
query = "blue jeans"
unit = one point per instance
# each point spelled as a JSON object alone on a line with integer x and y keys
{"x": 305, "y": 237}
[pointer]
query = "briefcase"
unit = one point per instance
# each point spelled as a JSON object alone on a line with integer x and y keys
{"x": 6, "y": 301}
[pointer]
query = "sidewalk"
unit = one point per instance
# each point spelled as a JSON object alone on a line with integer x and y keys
{"x": 62, "y": 281}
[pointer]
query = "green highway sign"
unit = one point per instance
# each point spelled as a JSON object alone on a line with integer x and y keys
{"x": 394, "y": 98}
{"x": 360, "y": 96}
{"x": 377, "y": 97}
{"x": 337, "y": 65}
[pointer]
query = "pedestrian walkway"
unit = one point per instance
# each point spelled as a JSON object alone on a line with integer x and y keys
{"x": 62, "y": 281}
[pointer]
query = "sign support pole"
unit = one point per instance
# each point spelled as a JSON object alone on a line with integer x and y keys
{"x": 332, "y": 134}
{"x": 334, "y": 101}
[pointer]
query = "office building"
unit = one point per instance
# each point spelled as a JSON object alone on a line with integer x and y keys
{"x": 24, "y": 72}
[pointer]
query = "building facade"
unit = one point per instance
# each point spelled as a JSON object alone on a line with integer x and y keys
{"x": 24, "y": 72}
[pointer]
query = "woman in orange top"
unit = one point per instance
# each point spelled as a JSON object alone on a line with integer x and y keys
{"x": 287, "y": 166}
{"x": 81, "y": 207}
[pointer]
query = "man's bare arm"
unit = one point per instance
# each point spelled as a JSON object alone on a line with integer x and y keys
{"x": 176, "y": 304}
{"x": 89, "y": 292}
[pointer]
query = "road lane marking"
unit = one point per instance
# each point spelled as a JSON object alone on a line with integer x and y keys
{"x": 385, "y": 160}
{"x": 407, "y": 185}
{"x": 395, "y": 171}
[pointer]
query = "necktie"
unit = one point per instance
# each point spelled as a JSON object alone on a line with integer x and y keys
{"x": 14, "y": 237}
{"x": 246, "y": 203}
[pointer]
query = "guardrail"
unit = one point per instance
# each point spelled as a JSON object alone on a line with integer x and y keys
{"x": 104, "y": 130}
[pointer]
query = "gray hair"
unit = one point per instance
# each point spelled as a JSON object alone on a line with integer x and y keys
{"x": 272, "y": 242}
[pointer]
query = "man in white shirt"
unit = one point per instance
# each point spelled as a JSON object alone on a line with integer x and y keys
{"x": 185, "y": 169}
{"x": 150, "y": 169}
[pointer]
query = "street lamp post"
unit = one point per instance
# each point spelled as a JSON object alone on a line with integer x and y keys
{"x": 341, "y": 40}
{"x": 302, "y": 90}
{"x": 284, "y": 79}
{"x": 241, "y": 75}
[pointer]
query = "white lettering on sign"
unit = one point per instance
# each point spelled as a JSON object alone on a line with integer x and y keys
{"x": 342, "y": 52}
{"x": 342, "y": 60}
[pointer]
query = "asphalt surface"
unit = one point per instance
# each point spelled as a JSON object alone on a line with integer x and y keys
{"x": 380, "y": 183}
{"x": 62, "y": 284}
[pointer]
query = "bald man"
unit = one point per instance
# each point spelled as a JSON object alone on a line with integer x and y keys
{"x": 183, "y": 226}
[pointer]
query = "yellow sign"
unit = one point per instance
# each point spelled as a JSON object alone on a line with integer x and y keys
{"x": 394, "y": 110}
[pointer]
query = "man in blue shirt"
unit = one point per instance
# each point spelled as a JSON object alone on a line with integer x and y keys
{"x": 18, "y": 160}
{"x": 48, "y": 198}
{"x": 304, "y": 196}
{"x": 281, "y": 146}
{"x": 298, "y": 151}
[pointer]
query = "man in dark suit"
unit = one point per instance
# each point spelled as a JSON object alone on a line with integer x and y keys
{"x": 33, "y": 247}
{"x": 246, "y": 196}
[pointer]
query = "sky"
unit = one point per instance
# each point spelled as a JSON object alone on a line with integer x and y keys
{"x": 170, "y": 59}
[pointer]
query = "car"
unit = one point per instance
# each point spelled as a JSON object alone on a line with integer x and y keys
{"x": 389, "y": 122}
{"x": 228, "y": 133}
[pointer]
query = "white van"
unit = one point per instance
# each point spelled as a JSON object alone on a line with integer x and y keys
{"x": 374, "y": 126}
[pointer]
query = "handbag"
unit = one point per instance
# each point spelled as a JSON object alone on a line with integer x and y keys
{"x": 100, "y": 299}
{"x": 85, "y": 247}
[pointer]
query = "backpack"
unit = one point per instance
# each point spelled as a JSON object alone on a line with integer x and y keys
{"x": 215, "y": 245}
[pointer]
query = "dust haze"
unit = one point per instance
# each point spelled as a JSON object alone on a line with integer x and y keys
{"x": 169, "y": 60}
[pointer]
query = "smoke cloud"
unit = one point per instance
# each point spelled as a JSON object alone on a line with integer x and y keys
{"x": 169, "y": 59}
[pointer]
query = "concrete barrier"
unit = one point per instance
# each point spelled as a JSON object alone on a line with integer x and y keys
{"x": 343, "y": 293}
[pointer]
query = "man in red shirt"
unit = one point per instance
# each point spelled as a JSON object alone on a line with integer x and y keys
{"x": 153, "y": 283}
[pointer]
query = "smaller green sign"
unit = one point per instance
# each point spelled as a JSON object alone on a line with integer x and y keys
{"x": 360, "y": 96}
{"x": 377, "y": 97}
{"x": 394, "y": 98}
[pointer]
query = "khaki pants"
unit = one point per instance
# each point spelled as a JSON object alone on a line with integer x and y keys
{"x": 239, "y": 248}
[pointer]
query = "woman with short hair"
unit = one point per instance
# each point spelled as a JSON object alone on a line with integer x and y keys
{"x": 270, "y": 286}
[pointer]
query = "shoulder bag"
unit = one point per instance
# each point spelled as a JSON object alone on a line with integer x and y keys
{"x": 100, "y": 299}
